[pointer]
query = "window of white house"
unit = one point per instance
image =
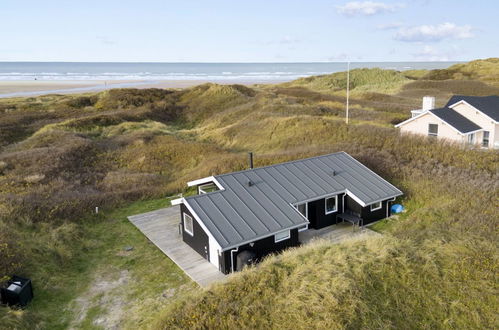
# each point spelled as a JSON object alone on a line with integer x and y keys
{"x": 471, "y": 138}
{"x": 485, "y": 140}
{"x": 188, "y": 224}
{"x": 282, "y": 236}
{"x": 432, "y": 129}
{"x": 303, "y": 209}
{"x": 331, "y": 204}
{"x": 375, "y": 206}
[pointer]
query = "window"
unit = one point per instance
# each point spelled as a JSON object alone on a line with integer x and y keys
{"x": 485, "y": 140}
{"x": 375, "y": 206}
{"x": 331, "y": 204}
{"x": 471, "y": 138}
{"x": 188, "y": 225}
{"x": 303, "y": 228}
{"x": 432, "y": 129}
{"x": 282, "y": 236}
{"x": 303, "y": 209}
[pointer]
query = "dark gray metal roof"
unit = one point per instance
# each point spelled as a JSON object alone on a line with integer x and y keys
{"x": 456, "y": 120}
{"x": 242, "y": 212}
{"x": 489, "y": 105}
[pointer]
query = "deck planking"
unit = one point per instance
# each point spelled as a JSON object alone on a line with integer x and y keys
{"x": 336, "y": 233}
{"x": 161, "y": 227}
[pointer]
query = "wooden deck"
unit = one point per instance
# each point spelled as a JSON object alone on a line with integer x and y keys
{"x": 162, "y": 228}
{"x": 336, "y": 233}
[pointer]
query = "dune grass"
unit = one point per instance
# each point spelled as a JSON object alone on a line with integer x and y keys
{"x": 361, "y": 81}
{"x": 83, "y": 255}
{"x": 60, "y": 156}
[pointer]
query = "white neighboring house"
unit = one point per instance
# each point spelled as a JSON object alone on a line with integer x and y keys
{"x": 471, "y": 120}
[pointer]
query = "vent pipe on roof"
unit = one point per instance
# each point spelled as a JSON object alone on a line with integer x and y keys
{"x": 333, "y": 173}
{"x": 250, "y": 159}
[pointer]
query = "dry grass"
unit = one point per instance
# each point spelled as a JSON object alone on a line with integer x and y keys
{"x": 61, "y": 156}
{"x": 361, "y": 81}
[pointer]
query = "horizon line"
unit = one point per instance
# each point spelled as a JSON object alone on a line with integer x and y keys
{"x": 297, "y": 62}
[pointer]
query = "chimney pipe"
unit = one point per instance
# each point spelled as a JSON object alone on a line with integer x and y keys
{"x": 428, "y": 103}
{"x": 250, "y": 159}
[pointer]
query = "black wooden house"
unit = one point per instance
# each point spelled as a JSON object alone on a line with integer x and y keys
{"x": 248, "y": 214}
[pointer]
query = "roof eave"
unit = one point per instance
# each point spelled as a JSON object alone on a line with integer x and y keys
{"x": 200, "y": 222}
{"x": 483, "y": 113}
{"x": 257, "y": 238}
{"x": 475, "y": 131}
{"x": 411, "y": 119}
{"x": 452, "y": 126}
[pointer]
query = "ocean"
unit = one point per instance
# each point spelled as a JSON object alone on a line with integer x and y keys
{"x": 247, "y": 72}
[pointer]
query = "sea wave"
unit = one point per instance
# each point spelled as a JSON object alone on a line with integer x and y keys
{"x": 17, "y": 71}
{"x": 140, "y": 76}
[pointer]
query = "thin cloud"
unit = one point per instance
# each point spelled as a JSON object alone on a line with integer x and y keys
{"x": 366, "y": 8}
{"x": 426, "y": 33}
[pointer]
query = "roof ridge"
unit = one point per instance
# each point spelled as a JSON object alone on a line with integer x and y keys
{"x": 284, "y": 163}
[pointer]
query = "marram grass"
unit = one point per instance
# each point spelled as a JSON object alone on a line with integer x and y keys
{"x": 62, "y": 155}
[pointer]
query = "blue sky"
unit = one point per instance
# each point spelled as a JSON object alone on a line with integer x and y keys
{"x": 247, "y": 31}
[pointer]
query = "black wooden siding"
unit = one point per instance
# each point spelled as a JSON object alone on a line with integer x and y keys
{"x": 261, "y": 248}
{"x": 365, "y": 213}
{"x": 199, "y": 241}
{"x": 317, "y": 213}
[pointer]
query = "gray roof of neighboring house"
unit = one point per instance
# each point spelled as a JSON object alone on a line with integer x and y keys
{"x": 456, "y": 120}
{"x": 242, "y": 213}
{"x": 489, "y": 105}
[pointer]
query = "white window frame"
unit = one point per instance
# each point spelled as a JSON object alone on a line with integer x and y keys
{"x": 374, "y": 208}
{"x": 287, "y": 234}
{"x": 306, "y": 209}
{"x": 486, "y": 145}
{"x": 335, "y": 205}
{"x": 192, "y": 223}
{"x": 432, "y": 134}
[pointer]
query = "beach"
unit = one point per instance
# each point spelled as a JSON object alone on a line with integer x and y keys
{"x": 22, "y": 79}
{"x": 43, "y": 87}
{"x": 40, "y": 87}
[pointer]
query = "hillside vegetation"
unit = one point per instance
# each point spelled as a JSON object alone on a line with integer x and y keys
{"x": 126, "y": 150}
